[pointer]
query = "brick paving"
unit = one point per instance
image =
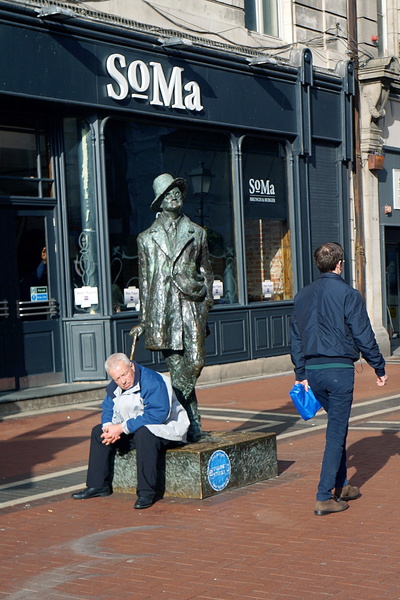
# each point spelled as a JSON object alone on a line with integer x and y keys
{"x": 258, "y": 542}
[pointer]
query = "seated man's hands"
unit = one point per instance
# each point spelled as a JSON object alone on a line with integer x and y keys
{"x": 111, "y": 433}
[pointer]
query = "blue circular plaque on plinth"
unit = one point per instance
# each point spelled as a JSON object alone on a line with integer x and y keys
{"x": 219, "y": 470}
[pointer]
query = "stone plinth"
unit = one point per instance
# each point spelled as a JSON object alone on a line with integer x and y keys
{"x": 220, "y": 461}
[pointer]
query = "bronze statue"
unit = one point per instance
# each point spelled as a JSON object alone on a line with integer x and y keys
{"x": 175, "y": 283}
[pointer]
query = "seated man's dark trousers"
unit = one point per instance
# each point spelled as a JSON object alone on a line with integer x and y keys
{"x": 101, "y": 459}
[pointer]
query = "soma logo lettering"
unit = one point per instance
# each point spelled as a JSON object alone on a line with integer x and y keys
{"x": 148, "y": 82}
{"x": 261, "y": 186}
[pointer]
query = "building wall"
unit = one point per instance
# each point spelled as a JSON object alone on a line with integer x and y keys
{"x": 317, "y": 24}
{"x": 313, "y": 42}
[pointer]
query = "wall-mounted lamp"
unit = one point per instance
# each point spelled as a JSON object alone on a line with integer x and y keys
{"x": 376, "y": 162}
{"x": 175, "y": 42}
{"x": 262, "y": 60}
{"x": 56, "y": 13}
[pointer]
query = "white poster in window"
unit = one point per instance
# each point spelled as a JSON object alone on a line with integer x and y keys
{"x": 267, "y": 288}
{"x": 131, "y": 297}
{"x": 218, "y": 289}
{"x": 86, "y": 296}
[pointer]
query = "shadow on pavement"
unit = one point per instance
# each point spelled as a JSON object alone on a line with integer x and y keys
{"x": 369, "y": 455}
{"x": 21, "y": 453}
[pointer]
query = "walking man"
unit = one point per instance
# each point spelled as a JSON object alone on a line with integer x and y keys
{"x": 330, "y": 328}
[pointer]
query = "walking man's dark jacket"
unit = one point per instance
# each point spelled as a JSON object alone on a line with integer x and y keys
{"x": 330, "y": 324}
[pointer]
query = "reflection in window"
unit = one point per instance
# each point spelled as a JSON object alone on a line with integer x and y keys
{"x": 25, "y": 163}
{"x": 262, "y": 16}
{"x": 82, "y": 220}
{"x": 136, "y": 153}
{"x": 30, "y": 233}
{"x": 267, "y": 234}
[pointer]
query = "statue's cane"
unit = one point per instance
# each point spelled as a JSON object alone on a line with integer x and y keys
{"x": 134, "y": 340}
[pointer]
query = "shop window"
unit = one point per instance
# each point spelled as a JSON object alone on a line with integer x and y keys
{"x": 25, "y": 163}
{"x": 392, "y": 262}
{"x": 82, "y": 216}
{"x": 136, "y": 153}
{"x": 30, "y": 235}
{"x": 266, "y": 227}
{"x": 262, "y": 16}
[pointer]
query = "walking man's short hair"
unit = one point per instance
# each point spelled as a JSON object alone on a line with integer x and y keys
{"x": 327, "y": 256}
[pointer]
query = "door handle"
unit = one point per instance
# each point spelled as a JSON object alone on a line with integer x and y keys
{"x": 35, "y": 309}
{"x": 4, "y": 309}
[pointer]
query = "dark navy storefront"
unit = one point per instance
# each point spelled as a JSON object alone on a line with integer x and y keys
{"x": 91, "y": 113}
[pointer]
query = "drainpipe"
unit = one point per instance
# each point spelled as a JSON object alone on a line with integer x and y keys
{"x": 357, "y": 163}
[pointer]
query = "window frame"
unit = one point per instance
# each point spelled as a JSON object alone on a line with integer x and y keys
{"x": 260, "y": 8}
{"x": 231, "y": 293}
{"x": 278, "y": 150}
{"x": 41, "y": 178}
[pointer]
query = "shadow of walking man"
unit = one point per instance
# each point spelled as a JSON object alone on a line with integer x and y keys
{"x": 369, "y": 455}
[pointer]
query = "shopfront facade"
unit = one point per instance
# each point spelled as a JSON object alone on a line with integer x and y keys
{"x": 388, "y": 178}
{"x": 91, "y": 114}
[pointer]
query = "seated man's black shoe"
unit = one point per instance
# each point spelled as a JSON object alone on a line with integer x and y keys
{"x": 143, "y": 502}
{"x": 92, "y": 493}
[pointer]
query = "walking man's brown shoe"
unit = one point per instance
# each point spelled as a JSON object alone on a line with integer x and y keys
{"x": 326, "y": 507}
{"x": 348, "y": 492}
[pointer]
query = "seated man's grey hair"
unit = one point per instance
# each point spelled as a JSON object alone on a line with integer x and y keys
{"x": 113, "y": 360}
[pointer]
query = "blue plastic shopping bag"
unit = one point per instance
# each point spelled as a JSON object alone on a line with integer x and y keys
{"x": 305, "y": 402}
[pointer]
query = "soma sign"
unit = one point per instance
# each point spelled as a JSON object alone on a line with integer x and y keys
{"x": 149, "y": 82}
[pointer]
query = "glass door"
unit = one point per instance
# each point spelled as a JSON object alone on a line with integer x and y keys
{"x": 30, "y": 340}
{"x": 392, "y": 261}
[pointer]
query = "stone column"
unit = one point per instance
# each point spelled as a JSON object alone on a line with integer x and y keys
{"x": 377, "y": 78}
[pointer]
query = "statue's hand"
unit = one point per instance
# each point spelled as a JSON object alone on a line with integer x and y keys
{"x": 137, "y": 330}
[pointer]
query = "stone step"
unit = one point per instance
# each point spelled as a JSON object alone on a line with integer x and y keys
{"x": 219, "y": 462}
{"x": 50, "y": 396}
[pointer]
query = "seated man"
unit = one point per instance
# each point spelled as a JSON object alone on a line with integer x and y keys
{"x": 140, "y": 411}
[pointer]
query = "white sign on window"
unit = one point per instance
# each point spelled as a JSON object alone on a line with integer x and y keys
{"x": 267, "y": 288}
{"x": 39, "y": 294}
{"x": 86, "y": 296}
{"x": 218, "y": 289}
{"x": 131, "y": 297}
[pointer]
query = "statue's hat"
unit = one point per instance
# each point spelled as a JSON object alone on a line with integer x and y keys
{"x": 162, "y": 185}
